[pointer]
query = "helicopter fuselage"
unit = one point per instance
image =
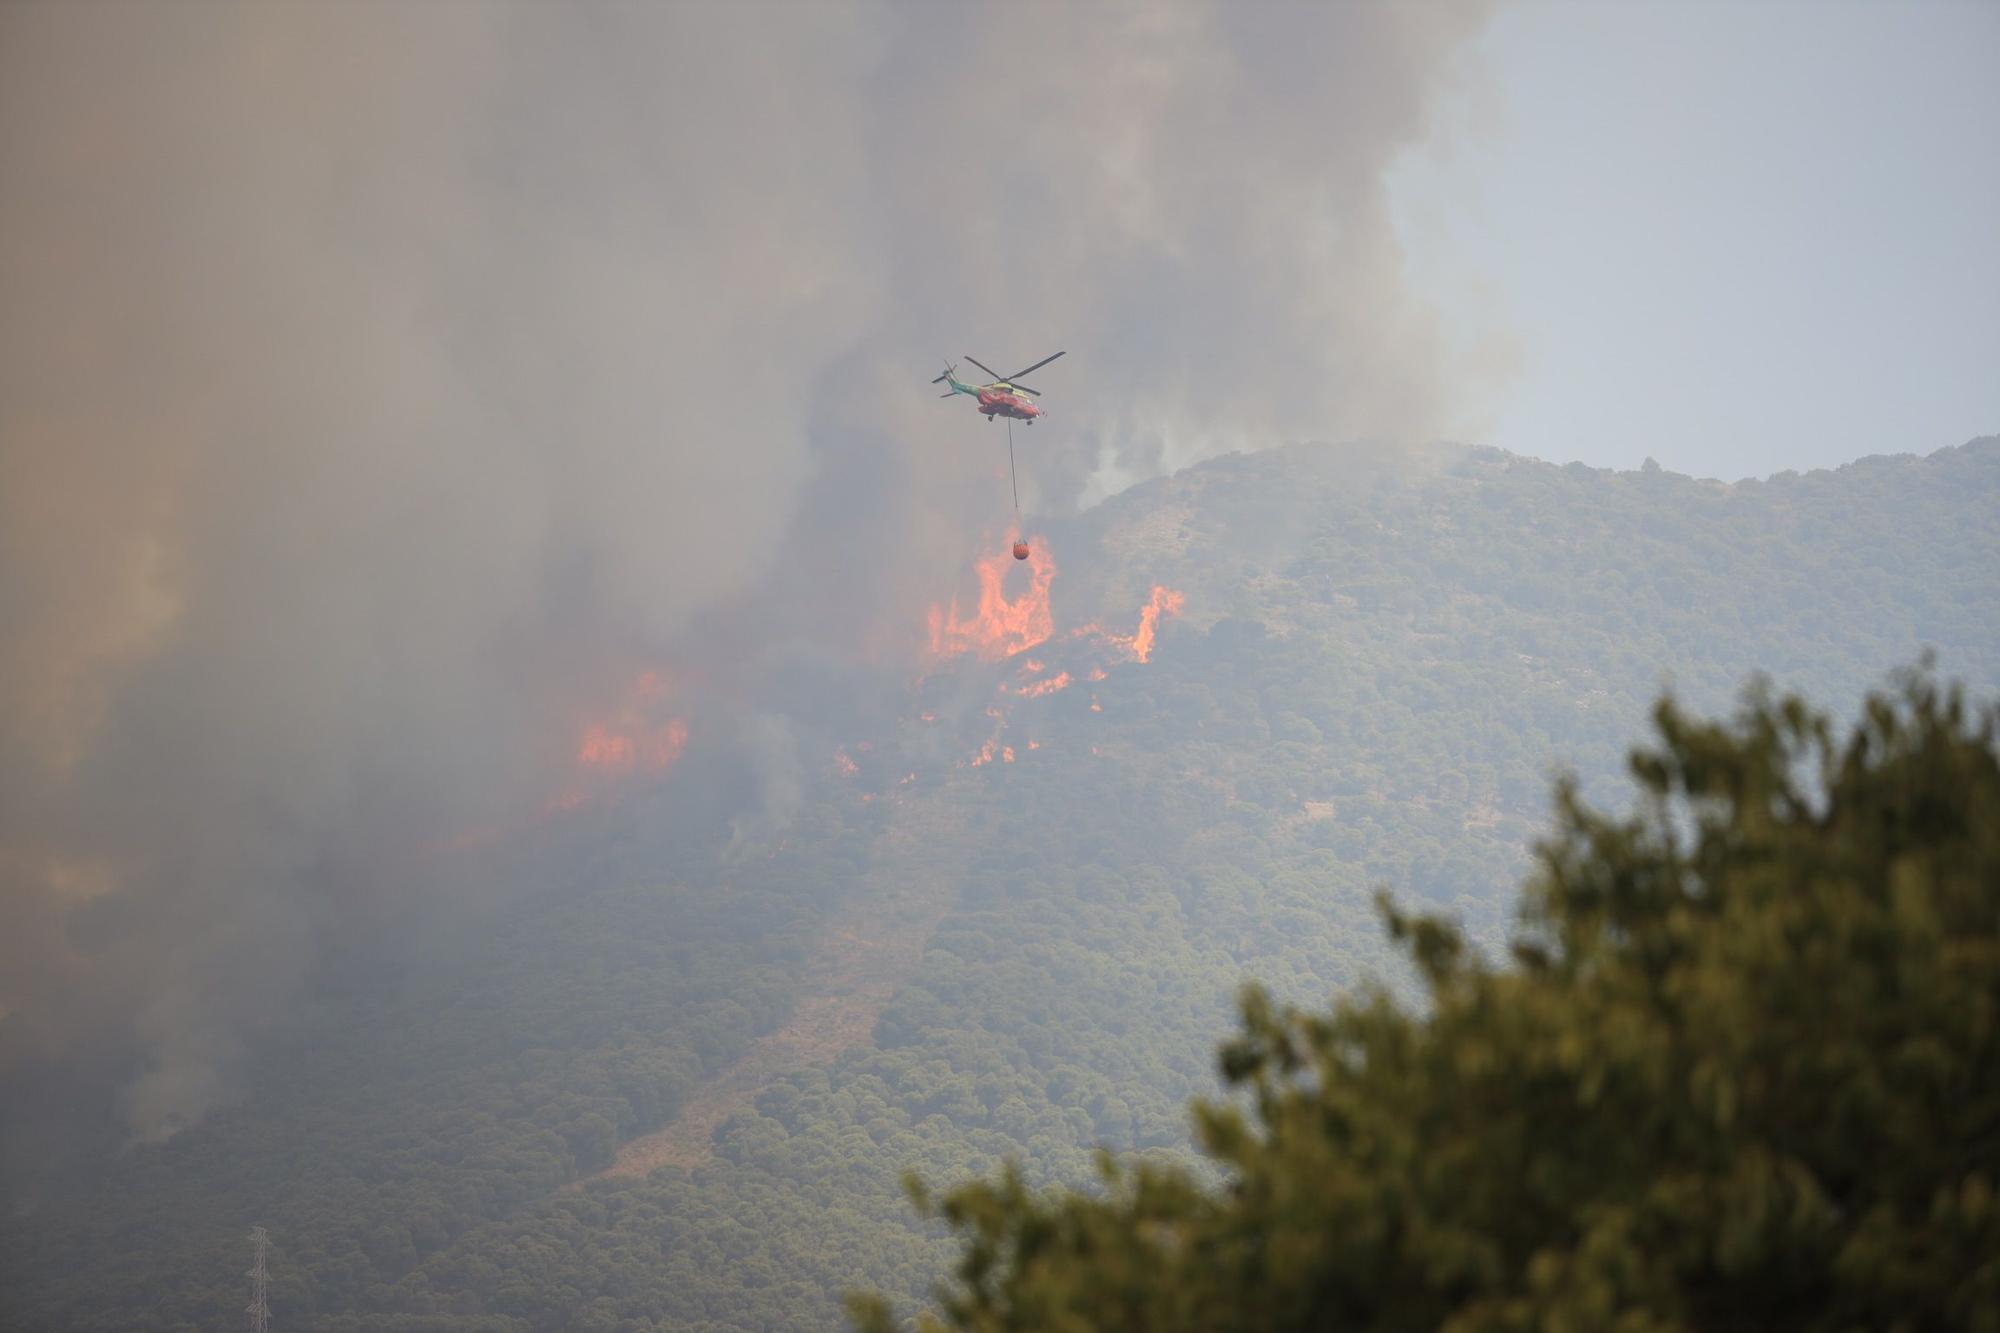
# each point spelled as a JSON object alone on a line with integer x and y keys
{"x": 999, "y": 401}
{"x": 998, "y": 397}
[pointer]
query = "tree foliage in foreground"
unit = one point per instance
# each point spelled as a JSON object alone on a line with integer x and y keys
{"x": 1743, "y": 1073}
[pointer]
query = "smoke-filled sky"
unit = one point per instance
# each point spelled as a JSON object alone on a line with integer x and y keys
{"x": 385, "y": 389}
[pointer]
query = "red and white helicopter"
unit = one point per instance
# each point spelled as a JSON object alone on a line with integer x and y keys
{"x": 1003, "y": 397}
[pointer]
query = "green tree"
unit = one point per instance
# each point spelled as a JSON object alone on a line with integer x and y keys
{"x": 1743, "y": 1073}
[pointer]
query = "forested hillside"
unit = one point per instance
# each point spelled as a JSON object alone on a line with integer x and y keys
{"x": 1739, "y": 1069}
{"x": 1082, "y": 850}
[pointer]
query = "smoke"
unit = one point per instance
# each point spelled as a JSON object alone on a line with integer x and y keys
{"x": 768, "y": 744}
{"x": 382, "y": 388}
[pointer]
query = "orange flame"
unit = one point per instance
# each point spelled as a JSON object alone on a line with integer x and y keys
{"x": 635, "y": 740}
{"x": 1165, "y": 601}
{"x": 1035, "y": 689}
{"x": 992, "y": 746}
{"x": 1138, "y": 645}
{"x": 618, "y": 754}
{"x": 847, "y": 766}
{"x": 1002, "y": 626}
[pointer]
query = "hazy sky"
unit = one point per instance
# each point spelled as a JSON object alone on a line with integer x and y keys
{"x": 1736, "y": 237}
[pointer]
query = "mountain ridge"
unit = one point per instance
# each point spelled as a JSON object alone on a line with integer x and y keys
{"x": 1380, "y": 661}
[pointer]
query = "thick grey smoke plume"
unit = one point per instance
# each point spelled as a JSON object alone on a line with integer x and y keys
{"x": 380, "y": 388}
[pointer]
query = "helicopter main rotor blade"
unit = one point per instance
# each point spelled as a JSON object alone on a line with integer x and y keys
{"x": 988, "y": 369}
{"x": 1022, "y": 388}
{"x": 1032, "y": 369}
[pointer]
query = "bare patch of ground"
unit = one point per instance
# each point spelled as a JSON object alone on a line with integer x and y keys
{"x": 872, "y": 945}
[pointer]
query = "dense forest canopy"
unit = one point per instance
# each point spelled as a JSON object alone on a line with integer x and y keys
{"x": 1377, "y": 663}
{"x": 1743, "y": 1072}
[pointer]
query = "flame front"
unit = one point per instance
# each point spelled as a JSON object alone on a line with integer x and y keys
{"x": 619, "y": 754}
{"x": 1035, "y": 689}
{"x": 1164, "y": 601}
{"x": 1002, "y": 626}
{"x": 636, "y": 739}
{"x": 1005, "y": 627}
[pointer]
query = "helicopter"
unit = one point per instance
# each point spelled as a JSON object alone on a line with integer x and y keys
{"x": 1003, "y": 397}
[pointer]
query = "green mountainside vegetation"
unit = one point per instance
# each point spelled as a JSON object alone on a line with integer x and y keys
{"x": 1380, "y": 665}
{"x": 1743, "y": 1072}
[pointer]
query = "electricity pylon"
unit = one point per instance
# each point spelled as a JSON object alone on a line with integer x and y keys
{"x": 259, "y": 1308}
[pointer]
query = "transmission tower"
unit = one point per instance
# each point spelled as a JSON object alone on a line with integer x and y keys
{"x": 259, "y": 1308}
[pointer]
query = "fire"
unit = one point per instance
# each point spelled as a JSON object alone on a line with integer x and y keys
{"x": 636, "y": 739}
{"x": 1164, "y": 601}
{"x": 848, "y": 768}
{"x": 1035, "y": 689}
{"x": 1002, "y": 626}
{"x": 991, "y": 749}
{"x": 1009, "y": 628}
{"x": 620, "y": 753}
{"x": 1138, "y": 646}
{"x": 642, "y": 736}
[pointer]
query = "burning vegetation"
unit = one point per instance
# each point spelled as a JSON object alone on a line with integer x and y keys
{"x": 642, "y": 737}
{"x": 1001, "y": 626}
{"x": 1006, "y": 627}
{"x": 645, "y": 732}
